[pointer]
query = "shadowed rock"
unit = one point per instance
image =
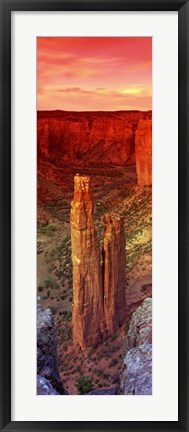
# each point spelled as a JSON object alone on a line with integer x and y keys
{"x": 107, "y": 392}
{"x": 47, "y": 366}
{"x": 88, "y": 137}
{"x": 114, "y": 262}
{"x": 44, "y": 387}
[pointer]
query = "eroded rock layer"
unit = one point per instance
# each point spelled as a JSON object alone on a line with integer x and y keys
{"x": 98, "y": 307}
{"x": 114, "y": 263}
{"x": 88, "y": 324}
{"x": 143, "y": 150}
{"x": 88, "y": 137}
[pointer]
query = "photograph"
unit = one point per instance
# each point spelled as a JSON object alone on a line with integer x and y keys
{"x": 94, "y": 215}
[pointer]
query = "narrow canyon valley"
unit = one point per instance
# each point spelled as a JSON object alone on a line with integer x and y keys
{"x": 94, "y": 252}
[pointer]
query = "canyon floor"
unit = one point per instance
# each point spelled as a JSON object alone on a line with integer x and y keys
{"x": 115, "y": 191}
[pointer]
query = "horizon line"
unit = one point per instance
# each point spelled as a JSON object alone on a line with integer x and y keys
{"x": 82, "y": 111}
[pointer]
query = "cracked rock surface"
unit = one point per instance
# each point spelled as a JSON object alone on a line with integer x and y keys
{"x": 136, "y": 378}
{"x": 47, "y": 367}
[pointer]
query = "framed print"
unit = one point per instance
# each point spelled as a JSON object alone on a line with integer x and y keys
{"x": 94, "y": 116}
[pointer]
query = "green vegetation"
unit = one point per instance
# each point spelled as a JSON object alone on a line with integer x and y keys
{"x": 48, "y": 229}
{"x": 47, "y": 281}
{"x": 126, "y": 326}
{"x": 83, "y": 384}
{"x": 112, "y": 363}
{"x": 51, "y": 204}
{"x": 51, "y": 308}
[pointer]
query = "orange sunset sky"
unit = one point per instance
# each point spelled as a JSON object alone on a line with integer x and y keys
{"x": 94, "y": 73}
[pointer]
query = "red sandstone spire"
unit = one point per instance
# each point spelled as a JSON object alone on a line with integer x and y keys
{"x": 98, "y": 307}
{"x": 88, "y": 323}
{"x": 114, "y": 272}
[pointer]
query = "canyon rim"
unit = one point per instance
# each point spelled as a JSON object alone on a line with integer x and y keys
{"x": 94, "y": 216}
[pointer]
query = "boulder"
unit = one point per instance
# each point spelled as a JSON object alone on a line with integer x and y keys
{"x": 44, "y": 387}
{"x": 136, "y": 377}
{"x": 106, "y": 392}
{"x": 47, "y": 366}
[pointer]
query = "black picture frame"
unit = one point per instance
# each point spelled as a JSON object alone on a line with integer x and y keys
{"x": 6, "y": 7}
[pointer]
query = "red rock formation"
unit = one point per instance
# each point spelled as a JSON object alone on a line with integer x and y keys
{"x": 143, "y": 150}
{"x": 98, "y": 307}
{"x": 88, "y": 137}
{"x": 114, "y": 262}
{"x": 88, "y": 324}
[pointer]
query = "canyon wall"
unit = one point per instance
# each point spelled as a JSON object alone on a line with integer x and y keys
{"x": 98, "y": 307}
{"x": 143, "y": 149}
{"x": 88, "y": 137}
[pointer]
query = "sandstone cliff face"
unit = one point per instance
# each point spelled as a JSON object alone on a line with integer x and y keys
{"x": 98, "y": 307}
{"x": 114, "y": 262}
{"x": 87, "y": 138}
{"x": 48, "y": 381}
{"x": 136, "y": 378}
{"x": 88, "y": 324}
{"x": 143, "y": 150}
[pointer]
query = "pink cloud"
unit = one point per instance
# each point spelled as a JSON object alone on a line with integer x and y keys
{"x": 112, "y": 71}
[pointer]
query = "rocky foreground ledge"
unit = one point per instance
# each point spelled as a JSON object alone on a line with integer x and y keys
{"x": 136, "y": 378}
{"x": 48, "y": 378}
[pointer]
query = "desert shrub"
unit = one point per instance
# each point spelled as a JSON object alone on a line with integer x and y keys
{"x": 69, "y": 333}
{"x": 114, "y": 348}
{"x": 99, "y": 372}
{"x": 112, "y": 363}
{"x": 51, "y": 308}
{"x": 106, "y": 376}
{"x": 51, "y": 204}
{"x": 55, "y": 284}
{"x": 116, "y": 379}
{"x": 49, "y": 229}
{"x": 46, "y": 282}
{"x": 48, "y": 293}
{"x": 40, "y": 288}
{"x": 83, "y": 384}
{"x": 94, "y": 346}
{"x": 126, "y": 326}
